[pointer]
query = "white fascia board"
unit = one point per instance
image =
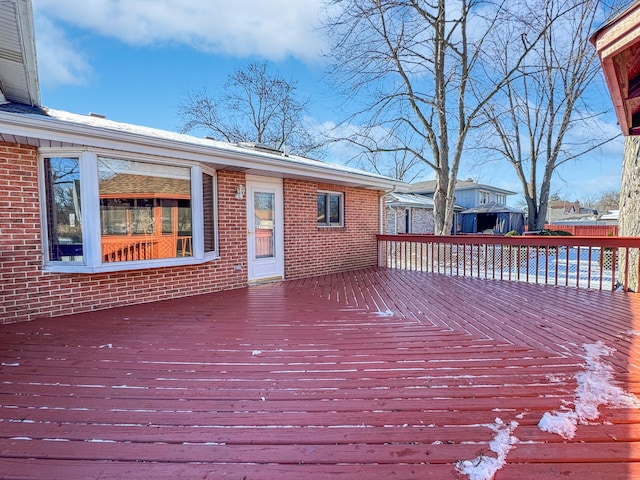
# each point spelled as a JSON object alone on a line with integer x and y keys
{"x": 52, "y": 129}
{"x": 26, "y": 31}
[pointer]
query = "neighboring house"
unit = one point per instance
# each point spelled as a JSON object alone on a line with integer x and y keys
{"x": 605, "y": 218}
{"x": 609, "y": 217}
{"x": 469, "y": 194}
{"x": 563, "y": 210}
{"x": 98, "y": 214}
{"x": 408, "y": 213}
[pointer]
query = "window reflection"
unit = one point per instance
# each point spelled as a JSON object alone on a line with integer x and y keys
{"x": 263, "y": 206}
{"x": 145, "y": 210}
{"x": 64, "y": 212}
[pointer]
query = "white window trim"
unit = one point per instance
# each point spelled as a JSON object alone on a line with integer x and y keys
{"x": 208, "y": 256}
{"x": 333, "y": 225}
{"x": 91, "y": 229}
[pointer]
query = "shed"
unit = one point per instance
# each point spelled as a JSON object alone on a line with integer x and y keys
{"x": 492, "y": 218}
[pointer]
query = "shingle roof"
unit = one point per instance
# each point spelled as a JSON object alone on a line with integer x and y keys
{"x": 429, "y": 186}
{"x": 412, "y": 200}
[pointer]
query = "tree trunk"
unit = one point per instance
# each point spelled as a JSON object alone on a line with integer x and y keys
{"x": 440, "y": 203}
{"x": 629, "y": 224}
{"x": 532, "y": 214}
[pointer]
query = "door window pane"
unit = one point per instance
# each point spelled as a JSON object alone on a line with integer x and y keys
{"x": 263, "y": 207}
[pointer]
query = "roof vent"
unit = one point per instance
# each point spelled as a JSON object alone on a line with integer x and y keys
{"x": 96, "y": 115}
{"x": 261, "y": 147}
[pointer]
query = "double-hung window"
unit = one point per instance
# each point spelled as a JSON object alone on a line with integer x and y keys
{"x": 105, "y": 213}
{"x": 330, "y": 209}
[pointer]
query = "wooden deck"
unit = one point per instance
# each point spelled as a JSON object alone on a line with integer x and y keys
{"x": 373, "y": 374}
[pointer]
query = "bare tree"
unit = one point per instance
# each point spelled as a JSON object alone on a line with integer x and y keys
{"x": 255, "y": 105}
{"x": 608, "y": 200}
{"x": 419, "y": 70}
{"x": 383, "y": 154}
{"x": 542, "y": 118}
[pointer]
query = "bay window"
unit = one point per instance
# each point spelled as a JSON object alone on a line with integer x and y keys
{"x": 104, "y": 213}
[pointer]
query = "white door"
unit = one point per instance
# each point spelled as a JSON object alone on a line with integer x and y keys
{"x": 265, "y": 228}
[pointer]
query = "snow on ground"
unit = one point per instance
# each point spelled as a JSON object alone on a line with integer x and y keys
{"x": 594, "y": 388}
{"x": 484, "y": 467}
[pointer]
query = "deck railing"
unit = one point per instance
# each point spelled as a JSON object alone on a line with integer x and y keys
{"x": 602, "y": 263}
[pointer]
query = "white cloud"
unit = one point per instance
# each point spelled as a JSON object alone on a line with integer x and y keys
{"x": 272, "y": 30}
{"x": 59, "y": 63}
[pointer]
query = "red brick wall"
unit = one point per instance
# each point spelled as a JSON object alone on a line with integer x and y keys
{"x": 312, "y": 250}
{"x": 26, "y": 292}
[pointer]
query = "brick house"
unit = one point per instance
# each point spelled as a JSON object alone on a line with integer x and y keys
{"x": 410, "y": 213}
{"x": 469, "y": 195}
{"x": 96, "y": 214}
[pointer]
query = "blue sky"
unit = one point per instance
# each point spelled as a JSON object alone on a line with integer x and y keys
{"x": 134, "y": 61}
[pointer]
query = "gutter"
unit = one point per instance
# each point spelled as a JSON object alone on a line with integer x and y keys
{"x": 206, "y": 151}
{"x": 383, "y": 207}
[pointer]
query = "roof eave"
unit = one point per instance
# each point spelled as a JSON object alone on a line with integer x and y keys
{"x": 615, "y": 36}
{"x": 26, "y": 31}
{"x": 55, "y": 130}
{"x": 19, "y": 81}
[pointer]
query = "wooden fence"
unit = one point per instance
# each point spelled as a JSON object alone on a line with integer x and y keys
{"x": 587, "y": 230}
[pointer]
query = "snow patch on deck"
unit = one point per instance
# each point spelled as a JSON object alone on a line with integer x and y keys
{"x": 594, "y": 388}
{"x": 484, "y": 467}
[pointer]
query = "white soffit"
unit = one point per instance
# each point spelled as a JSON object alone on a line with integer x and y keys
{"x": 18, "y": 65}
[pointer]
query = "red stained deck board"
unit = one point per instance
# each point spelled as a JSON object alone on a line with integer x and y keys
{"x": 109, "y": 470}
{"x": 211, "y": 452}
{"x": 237, "y": 434}
{"x": 353, "y": 390}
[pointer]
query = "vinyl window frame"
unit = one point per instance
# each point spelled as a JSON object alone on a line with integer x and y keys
{"x": 91, "y": 225}
{"x": 327, "y": 223}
